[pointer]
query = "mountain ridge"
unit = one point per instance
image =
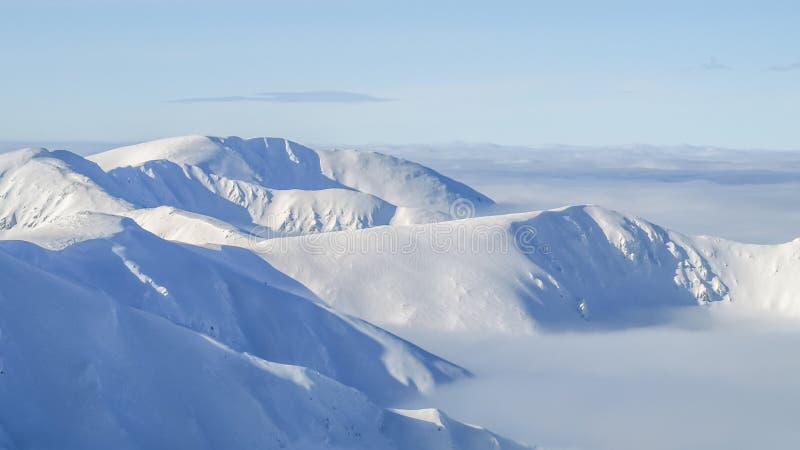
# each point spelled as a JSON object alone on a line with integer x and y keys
{"x": 157, "y": 267}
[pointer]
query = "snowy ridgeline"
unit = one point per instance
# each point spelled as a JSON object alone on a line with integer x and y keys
{"x": 274, "y": 183}
{"x": 138, "y": 309}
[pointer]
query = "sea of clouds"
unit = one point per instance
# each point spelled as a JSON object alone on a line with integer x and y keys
{"x": 706, "y": 381}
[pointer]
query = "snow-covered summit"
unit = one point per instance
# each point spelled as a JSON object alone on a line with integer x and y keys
{"x": 574, "y": 267}
{"x": 282, "y": 164}
{"x": 38, "y": 186}
{"x": 271, "y": 162}
{"x": 284, "y": 186}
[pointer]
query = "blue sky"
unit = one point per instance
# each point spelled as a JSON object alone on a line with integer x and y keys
{"x": 721, "y": 73}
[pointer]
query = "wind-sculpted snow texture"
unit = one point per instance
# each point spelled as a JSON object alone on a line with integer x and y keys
{"x": 225, "y": 293}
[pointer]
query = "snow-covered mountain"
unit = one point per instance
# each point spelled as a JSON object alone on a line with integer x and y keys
{"x": 282, "y": 185}
{"x": 236, "y": 298}
{"x": 137, "y": 298}
{"x": 38, "y": 187}
{"x": 582, "y": 263}
{"x": 82, "y": 368}
{"x": 572, "y": 267}
{"x": 119, "y": 338}
{"x": 273, "y": 183}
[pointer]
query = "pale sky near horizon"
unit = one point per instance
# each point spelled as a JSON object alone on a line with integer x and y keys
{"x": 722, "y": 73}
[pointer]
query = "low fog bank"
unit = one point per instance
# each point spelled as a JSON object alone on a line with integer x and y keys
{"x": 743, "y": 195}
{"x": 757, "y": 214}
{"x": 704, "y": 382}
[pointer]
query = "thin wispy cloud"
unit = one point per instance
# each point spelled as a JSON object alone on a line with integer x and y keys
{"x": 232, "y": 98}
{"x": 715, "y": 64}
{"x": 290, "y": 97}
{"x": 785, "y": 67}
{"x": 320, "y": 96}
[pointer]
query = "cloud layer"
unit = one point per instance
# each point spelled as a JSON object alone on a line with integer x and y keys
{"x": 714, "y": 64}
{"x": 697, "y": 385}
{"x": 290, "y": 97}
{"x": 785, "y": 67}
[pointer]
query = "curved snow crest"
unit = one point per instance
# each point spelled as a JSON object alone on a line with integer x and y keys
{"x": 238, "y": 299}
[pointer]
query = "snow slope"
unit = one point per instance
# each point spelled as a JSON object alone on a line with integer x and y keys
{"x": 38, "y": 187}
{"x": 567, "y": 268}
{"x": 760, "y": 277}
{"x": 121, "y": 339}
{"x": 80, "y": 369}
{"x": 231, "y": 296}
{"x": 282, "y": 185}
{"x": 552, "y": 269}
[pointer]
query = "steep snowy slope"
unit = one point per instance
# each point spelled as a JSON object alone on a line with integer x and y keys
{"x": 282, "y": 185}
{"x": 516, "y": 273}
{"x": 570, "y": 267}
{"x": 231, "y": 296}
{"x": 80, "y": 369}
{"x": 400, "y": 182}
